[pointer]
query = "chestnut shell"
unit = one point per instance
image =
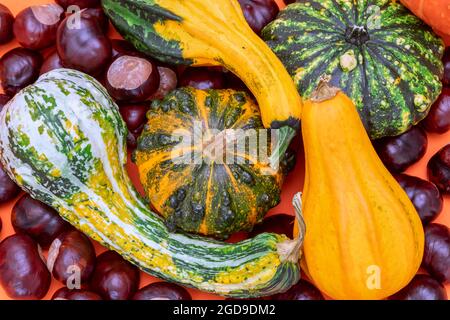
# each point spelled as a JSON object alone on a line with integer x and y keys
{"x": 303, "y": 290}
{"x": 436, "y": 257}
{"x": 421, "y": 287}
{"x": 438, "y": 119}
{"x": 162, "y": 291}
{"x": 202, "y": 78}
{"x": 23, "y": 274}
{"x": 52, "y": 62}
{"x": 36, "y": 219}
{"x": 439, "y": 169}
{"x": 424, "y": 195}
{"x": 8, "y": 189}
{"x": 35, "y": 27}
{"x": 398, "y": 153}
{"x": 65, "y": 293}
{"x": 19, "y": 68}
{"x": 259, "y": 13}
{"x": 80, "y": 3}
{"x": 446, "y": 60}
{"x": 6, "y": 24}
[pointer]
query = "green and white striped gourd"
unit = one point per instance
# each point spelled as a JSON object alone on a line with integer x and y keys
{"x": 63, "y": 141}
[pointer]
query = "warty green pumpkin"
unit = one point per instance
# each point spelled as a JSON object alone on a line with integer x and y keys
{"x": 203, "y": 161}
{"x": 382, "y": 56}
{"x": 213, "y": 33}
{"x": 63, "y": 141}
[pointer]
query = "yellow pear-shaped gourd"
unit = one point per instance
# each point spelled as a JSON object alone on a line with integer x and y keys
{"x": 364, "y": 238}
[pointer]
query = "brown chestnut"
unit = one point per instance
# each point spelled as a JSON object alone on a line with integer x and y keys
{"x": 71, "y": 258}
{"x": 421, "y": 287}
{"x": 162, "y": 291}
{"x": 439, "y": 169}
{"x": 37, "y": 220}
{"x": 98, "y": 15}
{"x": 202, "y": 78}
{"x": 35, "y": 27}
{"x": 280, "y": 223}
{"x": 446, "y": 60}
{"x": 79, "y": 3}
{"x": 259, "y": 13}
{"x": 4, "y": 99}
{"x": 135, "y": 118}
{"x": 114, "y": 278}
{"x": 23, "y": 274}
{"x": 83, "y": 47}
{"x": 303, "y": 290}
{"x": 8, "y": 189}
{"x": 132, "y": 78}
{"x": 438, "y": 120}
{"x": 6, "y": 24}
{"x": 424, "y": 195}
{"x": 65, "y": 293}
{"x": 436, "y": 256}
{"x": 167, "y": 82}
{"x": 52, "y": 62}
{"x": 19, "y": 67}
{"x": 122, "y": 48}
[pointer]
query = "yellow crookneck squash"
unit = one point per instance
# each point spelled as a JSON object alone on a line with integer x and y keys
{"x": 364, "y": 238}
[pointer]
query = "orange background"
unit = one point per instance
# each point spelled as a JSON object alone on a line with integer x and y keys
{"x": 292, "y": 185}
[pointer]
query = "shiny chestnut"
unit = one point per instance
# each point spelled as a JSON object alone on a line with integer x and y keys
{"x": 421, "y": 287}
{"x": 37, "y": 220}
{"x": 303, "y": 290}
{"x": 114, "y": 278}
{"x": 71, "y": 258}
{"x": 167, "y": 82}
{"x": 8, "y": 189}
{"x": 79, "y": 3}
{"x": 400, "y": 152}
{"x": 19, "y": 68}
{"x": 438, "y": 119}
{"x": 23, "y": 274}
{"x": 84, "y": 47}
{"x": 35, "y": 27}
{"x": 135, "y": 119}
{"x": 132, "y": 78}
{"x": 424, "y": 195}
{"x": 6, "y": 24}
{"x": 202, "y": 78}
{"x": 65, "y": 293}
{"x": 436, "y": 256}
{"x": 446, "y": 60}
{"x": 439, "y": 169}
{"x": 52, "y": 62}
{"x": 162, "y": 291}
{"x": 259, "y": 13}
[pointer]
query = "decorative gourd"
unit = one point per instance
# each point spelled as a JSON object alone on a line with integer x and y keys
{"x": 364, "y": 237}
{"x": 383, "y": 57}
{"x": 199, "y": 33}
{"x": 192, "y": 168}
{"x": 435, "y": 13}
{"x": 63, "y": 141}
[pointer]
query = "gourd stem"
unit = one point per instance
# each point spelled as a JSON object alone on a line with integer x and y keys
{"x": 324, "y": 91}
{"x": 284, "y": 136}
{"x": 291, "y": 250}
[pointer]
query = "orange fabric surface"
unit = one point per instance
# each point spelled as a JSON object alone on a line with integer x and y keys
{"x": 292, "y": 185}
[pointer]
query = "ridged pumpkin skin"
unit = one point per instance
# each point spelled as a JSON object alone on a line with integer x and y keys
{"x": 215, "y": 33}
{"x": 388, "y": 61}
{"x": 212, "y": 196}
{"x": 358, "y": 219}
{"x": 63, "y": 141}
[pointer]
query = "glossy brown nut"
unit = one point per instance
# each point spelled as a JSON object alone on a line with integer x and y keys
{"x": 436, "y": 256}
{"x": 421, "y": 287}
{"x": 439, "y": 169}
{"x": 400, "y": 152}
{"x": 122, "y": 48}
{"x": 8, "y": 189}
{"x": 303, "y": 290}
{"x": 52, "y": 62}
{"x": 80, "y": 3}
{"x": 424, "y": 195}
{"x": 71, "y": 258}
{"x": 132, "y": 79}
{"x": 135, "y": 119}
{"x": 280, "y": 223}
{"x": 19, "y": 68}
{"x": 167, "y": 82}
{"x": 259, "y": 13}
{"x": 114, "y": 278}
{"x": 98, "y": 15}
{"x": 23, "y": 274}
{"x": 438, "y": 120}
{"x": 162, "y": 291}
{"x": 446, "y": 60}
{"x": 65, "y": 293}
{"x": 83, "y": 47}
{"x": 6, "y": 24}
{"x": 35, "y": 27}
{"x": 202, "y": 78}
{"x": 37, "y": 220}
{"x": 4, "y": 99}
